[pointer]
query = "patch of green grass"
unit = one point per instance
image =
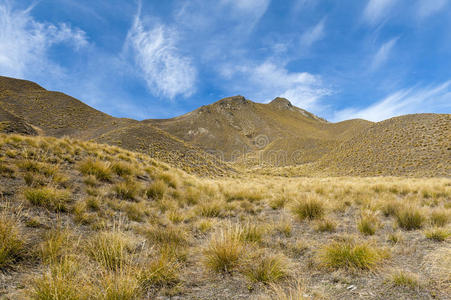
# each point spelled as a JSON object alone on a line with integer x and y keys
{"x": 437, "y": 234}
{"x": 48, "y": 197}
{"x": 406, "y": 279}
{"x": 350, "y": 255}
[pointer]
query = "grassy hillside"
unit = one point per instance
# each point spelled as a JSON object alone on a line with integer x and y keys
{"x": 80, "y": 220}
{"x": 277, "y": 133}
{"x": 57, "y": 114}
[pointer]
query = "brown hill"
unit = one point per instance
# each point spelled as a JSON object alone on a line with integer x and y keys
{"x": 411, "y": 145}
{"x": 276, "y": 133}
{"x": 248, "y": 133}
{"x": 33, "y": 109}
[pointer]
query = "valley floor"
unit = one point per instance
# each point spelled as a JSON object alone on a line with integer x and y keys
{"x": 80, "y": 220}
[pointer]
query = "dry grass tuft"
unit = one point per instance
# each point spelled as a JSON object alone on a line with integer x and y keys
{"x": 350, "y": 255}
{"x": 12, "y": 244}
{"x": 100, "y": 170}
{"x": 368, "y": 223}
{"x": 410, "y": 218}
{"x": 310, "y": 208}
{"x": 268, "y": 268}
{"x": 224, "y": 250}
{"x": 325, "y": 225}
{"x": 405, "y": 279}
{"x": 437, "y": 234}
{"x": 49, "y": 197}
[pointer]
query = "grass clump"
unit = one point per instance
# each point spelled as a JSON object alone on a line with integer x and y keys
{"x": 405, "y": 279}
{"x": 109, "y": 249}
{"x": 439, "y": 218}
{"x": 128, "y": 190}
{"x": 122, "y": 169}
{"x": 368, "y": 223}
{"x": 437, "y": 234}
{"x": 350, "y": 255}
{"x": 164, "y": 236}
{"x": 12, "y": 245}
{"x": 157, "y": 189}
{"x": 210, "y": 209}
{"x": 253, "y": 232}
{"x": 100, "y": 170}
{"x": 268, "y": 268}
{"x": 310, "y": 208}
{"x": 325, "y": 225}
{"x": 224, "y": 250}
{"x": 48, "y": 197}
{"x": 410, "y": 218}
{"x": 60, "y": 282}
{"x": 159, "y": 272}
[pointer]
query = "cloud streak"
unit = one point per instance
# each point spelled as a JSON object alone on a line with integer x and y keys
{"x": 406, "y": 101}
{"x": 166, "y": 71}
{"x": 426, "y": 8}
{"x": 265, "y": 81}
{"x": 25, "y": 42}
{"x": 376, "y": 10}
{"x": 382, "y": 55}
{"x": 313, "y": 34}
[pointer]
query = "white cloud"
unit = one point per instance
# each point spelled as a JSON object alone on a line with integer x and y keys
{"x": 268, "y": 80}
{"x": 375, "y": 10}
{"x": 24, "y": 42}
{"x": 383, "y": 54}
{"x": 253, "y": 9}
{"x": 165, "y": 70}
{"x": 313, "y": 34}
{"x": 426, "y": 8}
{"x": 406, "y": 101}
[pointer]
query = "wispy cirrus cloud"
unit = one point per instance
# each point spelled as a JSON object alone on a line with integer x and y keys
{"x": 405, "y": 101}
{"x": 313, "y": 34}
{"x": 267, "y": 80}
{"x": 376, "y": 10}
{"x": 426, "y": 8}
{"x": 383, "y": 54}
{"x": 25, "y": 42}
{"x": 165, "y": 70}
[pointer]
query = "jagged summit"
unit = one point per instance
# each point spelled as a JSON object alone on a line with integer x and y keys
{"x": 281, "y": 103}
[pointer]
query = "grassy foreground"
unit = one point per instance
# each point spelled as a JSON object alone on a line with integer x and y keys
{"x": 80, "y": 220}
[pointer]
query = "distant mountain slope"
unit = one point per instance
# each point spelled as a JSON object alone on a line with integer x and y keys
{"x": 57, "y": 114}
{"x": 276, "y": 133}
{"x": 255, "y": 135}
{"x": 412, "y": 145}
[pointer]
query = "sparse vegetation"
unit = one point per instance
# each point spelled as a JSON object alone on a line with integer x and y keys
{"x": 93, "y": 238}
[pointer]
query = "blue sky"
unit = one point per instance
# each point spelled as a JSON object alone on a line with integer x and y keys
{"x": 343, "y": 59}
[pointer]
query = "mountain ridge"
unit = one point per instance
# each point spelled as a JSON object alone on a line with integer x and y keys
{"x": 237, "y": 133}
